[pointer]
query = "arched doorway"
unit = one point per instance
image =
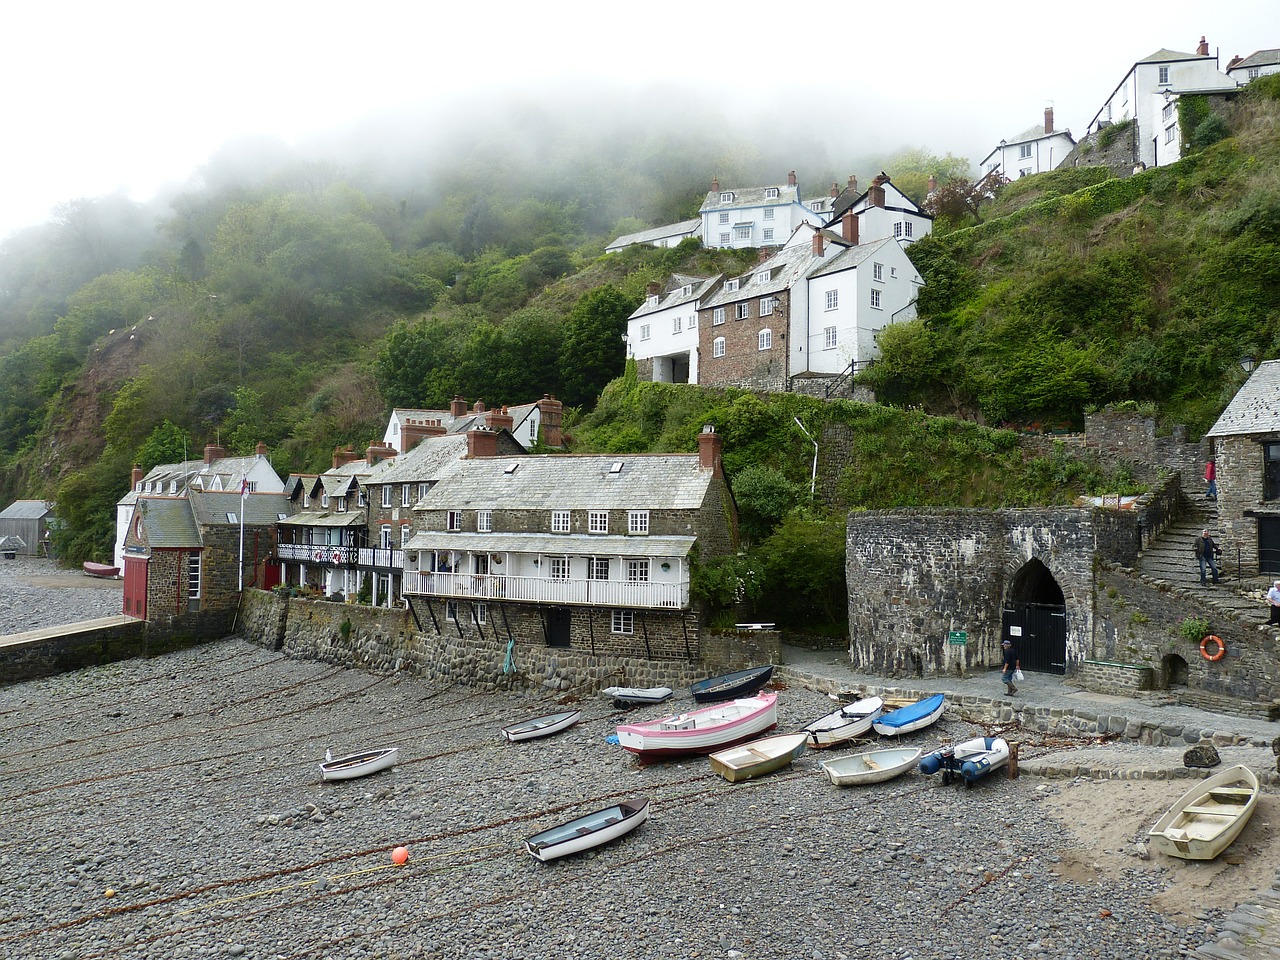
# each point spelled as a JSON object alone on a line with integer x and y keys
{"x": 1173, "y": 672}
{"x": 1035, "y": 618}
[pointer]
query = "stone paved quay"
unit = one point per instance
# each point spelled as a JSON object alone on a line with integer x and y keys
{"x": 1147, "y": 740}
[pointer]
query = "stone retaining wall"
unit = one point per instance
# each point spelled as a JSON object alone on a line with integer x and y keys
{"x": 47, "y": 656}
{"x": 1117, "y": 679}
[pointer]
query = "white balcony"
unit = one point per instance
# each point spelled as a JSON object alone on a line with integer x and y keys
{"x": 599, "y": 593}
{"x": 378, "y": 558}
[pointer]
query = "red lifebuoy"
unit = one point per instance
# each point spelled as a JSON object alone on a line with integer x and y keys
{"x": 1219, "y": 651}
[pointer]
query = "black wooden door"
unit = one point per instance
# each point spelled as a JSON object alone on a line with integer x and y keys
{"x": 1039, "y": 632}
{"x": 558, "y": 620}
{"x": 1269, "y": 544}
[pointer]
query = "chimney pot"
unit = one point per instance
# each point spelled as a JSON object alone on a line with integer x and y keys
{"x": 136, "y": 477}
{"x": 715, "y": 184}
{"x": 482, "y": 442}
{"x": 213, "y": 451}
{"x": 817, "y": 243}
{"x": 1203, "y": 49}
{"x": 853, "y": 184}
{"x": 458, "y": 407}
{"x": 261, "y": 449}
{"x": 791, "y": 179}
{"x": 1048, "y": 119}
{"x": 849, "y": 228}
{"x": 835, "y": 190}
{"x": 478, "y": 407}
{"x": 709, "y": 449}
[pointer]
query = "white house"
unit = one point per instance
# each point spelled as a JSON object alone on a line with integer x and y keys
{"x": 216, "y": 473}
{"x": 1035, "y": 150}
{"x": 662, "y": 335}
{"x": 811, "y": 310}
{"x": 527, "y": 422}
{"x": 669, "y": 235}
{"x": 1148, "y": 96}
{"x": 882, "y": 211}
{"x": 753, "y": 216}
{"x": 1257, "y": 64}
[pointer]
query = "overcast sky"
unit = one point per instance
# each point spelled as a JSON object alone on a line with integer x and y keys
{"x": 131, "y": 96}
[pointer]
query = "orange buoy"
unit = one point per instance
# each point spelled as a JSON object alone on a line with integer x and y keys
{"x": 1219, "y": 648}
{"x": 400, "y": 855}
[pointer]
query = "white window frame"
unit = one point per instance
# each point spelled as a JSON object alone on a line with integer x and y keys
{"x": 423, "y": 489}
{"x": 386, "y": 494}
{"x": 742, "y": 311}
{"x": 897, "y": 230}
{"x": 637, "y": 521}
{"x": 768, "y": 234}
{"x": 764, "y": 339}
{"x": 453, "y": 520}
{"x": 484, "y": 521}
{"x": 193, "y": 575}
{"x": 597, "y": 566}
{"x": 730, "y": 286}
{"x": 677, "y": 324}
{"x": 622, "y": 621}
{"x": 717, "y": 347}
{"x": 724, "y": 218}
{"x": 451, "y": 611}
{"x": 742, "y": 231}
{"x": 830, "y": 338}
{"x": 726, "y": 196}
{"x": 833, "y": 300}
{"x": 597, "y": 521}
{"x": 717, "y": 316}
{"x": 384, "y": 537}
{"x": 406, "y": 495}
{"x": 644, "y": 331}
{"x": 724, "y": 239}
{"x": 1162, "y": 73}
{"x": 770, "y": 193}
{"x": 558, "y": 568}
{"x": 693, "y": 321}
{"x": 481, "y": 613}
{"x": 406, "y": 533}
{"x": 1169, "y": 133}
{"x": 1024, "y": 151}
{"x": 638, "y": 570}
{"x": 877, "y": 271}
{"x": 560, "y": 521}
{"x": 875, "y": 299}
{"x": 768, "y": 213}
{"x": 766, "y": 306}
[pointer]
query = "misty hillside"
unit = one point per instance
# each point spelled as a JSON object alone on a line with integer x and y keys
{"x": 294, "y": 300}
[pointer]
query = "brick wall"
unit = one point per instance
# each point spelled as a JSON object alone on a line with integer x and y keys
{"x": 744, "y": 364}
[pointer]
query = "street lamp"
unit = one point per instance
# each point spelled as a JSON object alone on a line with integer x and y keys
{"x": 1247, "y": 363}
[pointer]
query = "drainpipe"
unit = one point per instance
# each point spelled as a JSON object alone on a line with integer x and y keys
{"x": 813, "y": 475}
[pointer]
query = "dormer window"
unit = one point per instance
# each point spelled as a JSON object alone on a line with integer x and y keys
{"x": 653, "y": 301}
{"x": 764, "y": 276}
{"x": 819, "y": 204}
{"x": 686, "y": 290}
{"x": 730, "y": 286}
{"x": 727, "y": 196}
{"x": 771, "y": 193}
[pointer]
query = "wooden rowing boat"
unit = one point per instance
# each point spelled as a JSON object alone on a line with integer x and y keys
{"x": 103, "y": 570}
{"x": 633, "y": 696}
{"x": 841, "y": 726}
{"x": 758, "y": 757}
{"x": 1207, "y": 818}
{"x": 358, "y": 764}
{"x": 872, "y": 766}
{"x": 543, "y": 726}
{"x": 701, "y": 731}
{"x": 585, "y": 832}
{"x": 971, "y": 760}
{"x": 740, "y": 683}
{"x": 908, "y": 719}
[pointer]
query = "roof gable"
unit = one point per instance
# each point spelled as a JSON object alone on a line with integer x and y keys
{"x": 1255, "y": 409}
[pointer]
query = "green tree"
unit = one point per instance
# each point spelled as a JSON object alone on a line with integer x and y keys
{"x": 593, "y": 351}
{"x": 764, "y": 496}
{"x": 168, "y": 443}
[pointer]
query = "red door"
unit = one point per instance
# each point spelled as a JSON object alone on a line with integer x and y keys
{"x": 135, "y": 587}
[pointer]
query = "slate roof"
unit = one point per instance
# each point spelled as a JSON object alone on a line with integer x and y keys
{"x": 850, "y": 257}
{"x": 424, "y": 462}
{"x": 468, "y": 420}
{"x": 685, "y": 228}
{"x": 674, "y": 295}
{"x": 1164, "y": 55}
{"x": 750, "y": 197}
{"x": 573, "y": 482}
{"x": 27, "y": 510}
{"x": 325, "y": 518}
{"x": 260, "y": 509}
{"x": 1255, "y": 408}
{"x": 1259, "y": 58}
{"x": 555, "y": 544}
{"x": 168, "y": 522}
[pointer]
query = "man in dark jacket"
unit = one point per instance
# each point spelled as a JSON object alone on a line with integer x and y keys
{"x": 1207, "y": 553}
{"x": 1011, "y": 665}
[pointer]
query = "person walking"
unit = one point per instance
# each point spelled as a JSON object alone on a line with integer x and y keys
{"x": 1012, "y": 665}
{"x": 1211, "y": 476}
{"x": 1273, "y": 598}
{"x": 1207, "y": 553}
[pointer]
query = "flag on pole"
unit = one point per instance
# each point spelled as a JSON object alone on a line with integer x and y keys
{"x": 244, "y": 487}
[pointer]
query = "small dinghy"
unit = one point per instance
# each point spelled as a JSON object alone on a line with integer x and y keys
{"x": 592, "y": 830}
{"x": 358, "y": 764}
{"x": 841, "y": 726}
{"x": 103, "y": 570}
{"x": 741, "y": 683}
{"x": 702, "y": 731}
{"x": 758, "y": 757}
{"x": 541, "y": 726}
{"x": 971, "y": 760}
{"x": 874, "y": 766}
{"x": 1207, "y": 818}
{"x": 914, "y": 716}
{"x": 632, "y": 696}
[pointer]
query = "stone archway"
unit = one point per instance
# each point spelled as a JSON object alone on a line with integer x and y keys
{"x": 1035, "y": 618}
{"x": 1173, "y": 672}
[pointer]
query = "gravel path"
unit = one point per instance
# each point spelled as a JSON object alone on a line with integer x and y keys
{"x": 172, "y": 808}
{"x": 37, "y": 593}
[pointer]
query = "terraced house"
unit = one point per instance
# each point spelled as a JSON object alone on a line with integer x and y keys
{"x": 591, "y": 552}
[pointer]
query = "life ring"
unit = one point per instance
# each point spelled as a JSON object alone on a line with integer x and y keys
{"x": 1219, "y": 652}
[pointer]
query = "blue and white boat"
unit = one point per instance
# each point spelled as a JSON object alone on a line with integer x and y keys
{"x": 971, "y": 760}
{"x": 914, "y": 716}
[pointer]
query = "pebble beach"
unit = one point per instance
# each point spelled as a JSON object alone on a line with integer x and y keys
{"x": 173, "y": 807}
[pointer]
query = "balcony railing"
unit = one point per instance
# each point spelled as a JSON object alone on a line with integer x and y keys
{"x": 603, "y": 593}
{"x": 378, "y": 558}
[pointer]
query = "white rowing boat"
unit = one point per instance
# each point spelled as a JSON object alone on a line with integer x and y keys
{"x": 358, "y": 764}
{"x": 873, "y": 766}
{"x": 1207, "y": 818}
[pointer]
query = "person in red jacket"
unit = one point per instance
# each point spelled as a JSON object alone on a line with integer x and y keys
{"x": 1211, "y": 475}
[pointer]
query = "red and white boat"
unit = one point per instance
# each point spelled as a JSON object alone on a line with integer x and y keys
{"x": 104, "y": 570}
{"x": 701, "y": 731}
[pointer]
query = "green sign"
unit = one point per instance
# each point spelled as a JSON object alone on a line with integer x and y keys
{"x": 958, "y": 637}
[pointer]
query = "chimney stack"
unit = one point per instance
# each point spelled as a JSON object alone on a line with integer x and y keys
{"x": 457, "y": 407}
{"x": 933, "y": 183}
{"x": 835, "y": 190}
{"x": 378, "y": 451}
{"x": 213, "y": 451}
{"x": 478, "y": 406}
{"x": 709, "y": 449}
{"x": 499, "y": 419}
{"x": 853, "y": 184}
{"x": 715, "y": 184}
{"x": 817, "y": 243}
{"x": 876, "y": 193}
{"x": 1048, "y": 120}
{"x": 343, "y": 455}
{"x": 481, "y": 442}
{"x": 1203, "y": 49}
{"x": 552, "y": 420}
{"x": 849, "y": 228}
{"x": 791, "y": 179}
{"x": 136, "y": 477}
{"x": 417, "y": 429}
{"x": 260, "y": 449}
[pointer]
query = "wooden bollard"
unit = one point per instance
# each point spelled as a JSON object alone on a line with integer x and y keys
{"x": 1013, "y": 761}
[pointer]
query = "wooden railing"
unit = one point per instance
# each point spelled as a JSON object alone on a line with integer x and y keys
{"x": 604, "y": 593}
